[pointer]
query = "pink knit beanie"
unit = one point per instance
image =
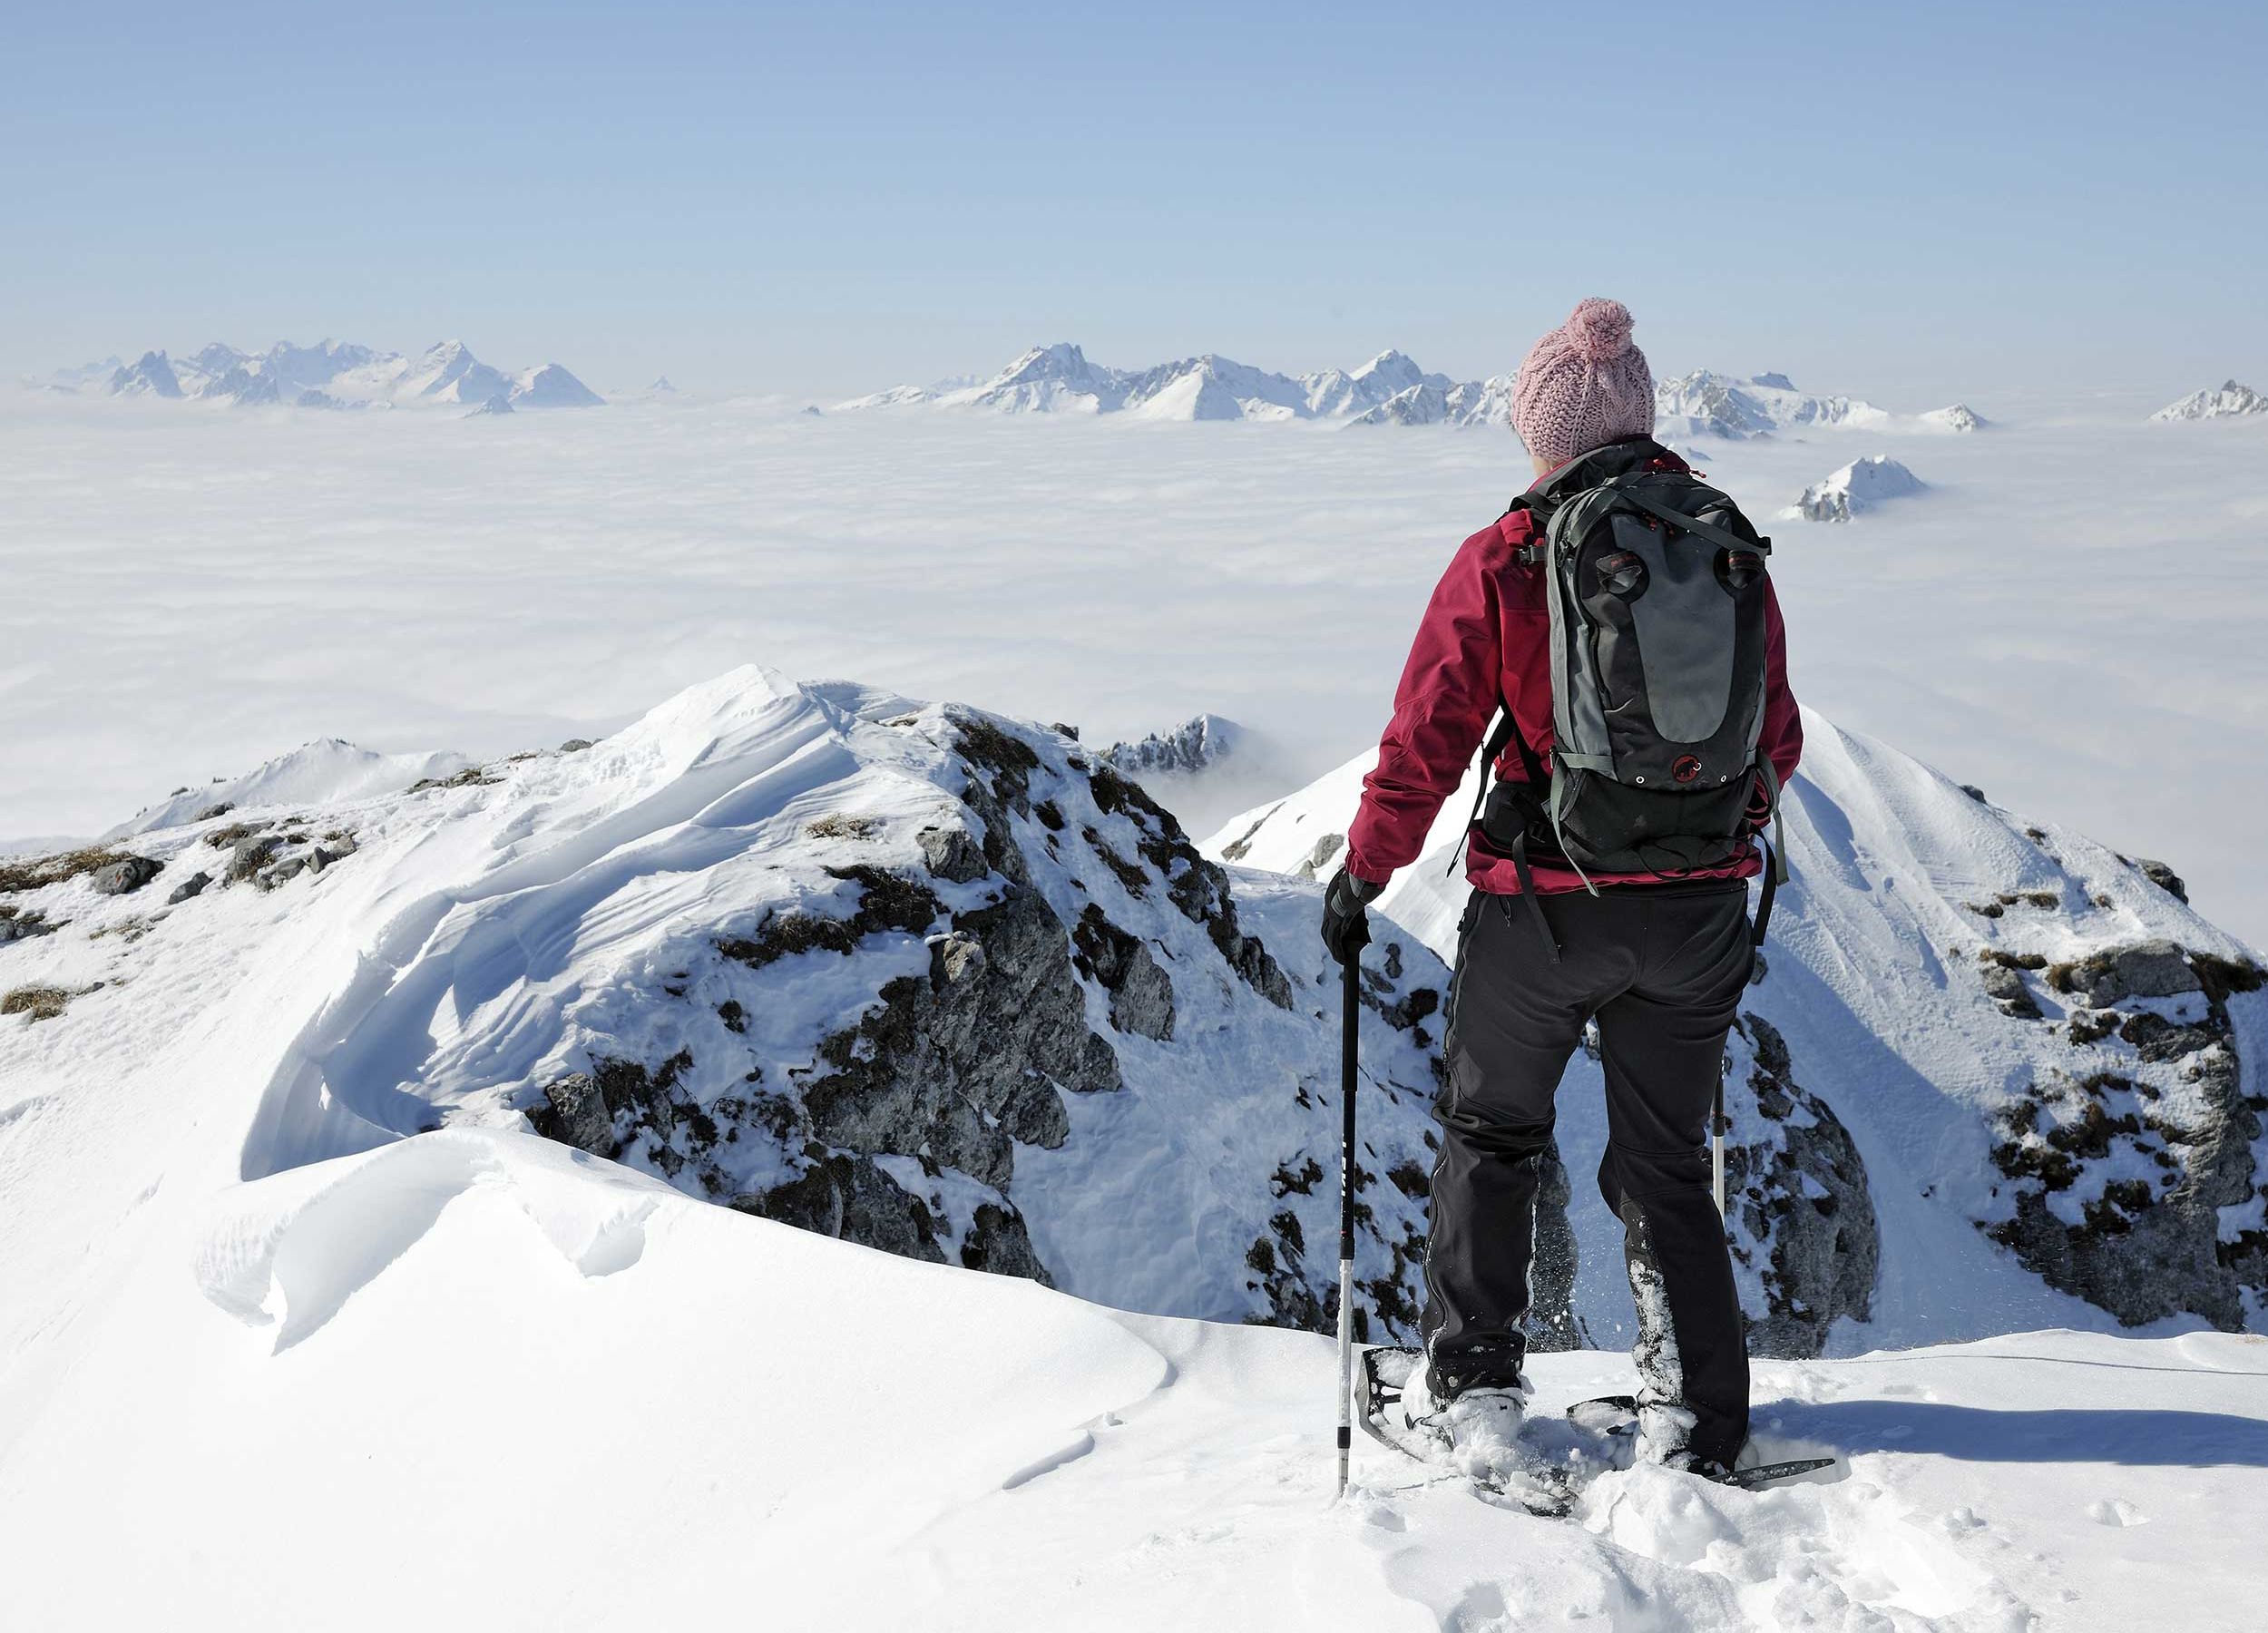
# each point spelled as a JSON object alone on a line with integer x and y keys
{"x": 1583, "y": 385}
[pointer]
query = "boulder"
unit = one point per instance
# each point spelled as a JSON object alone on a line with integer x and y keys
{"x": 126, "y": 875}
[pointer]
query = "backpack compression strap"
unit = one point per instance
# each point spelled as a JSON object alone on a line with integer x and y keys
{"x": 1692, "y": 524}
{"x": 1508, "y": 733}
{"x": 1775, "y": 850}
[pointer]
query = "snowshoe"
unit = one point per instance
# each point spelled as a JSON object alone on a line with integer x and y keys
{"x": 1477, "y": 1446}
{"x": 1618, "y": 1415}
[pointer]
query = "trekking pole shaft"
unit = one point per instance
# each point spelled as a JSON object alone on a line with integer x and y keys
{"x": 1716, "y": 1147}
{"x": 1349, "y": 1033}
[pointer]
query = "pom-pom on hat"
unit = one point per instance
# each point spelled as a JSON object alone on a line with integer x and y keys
{"x": 1583, "y": 384}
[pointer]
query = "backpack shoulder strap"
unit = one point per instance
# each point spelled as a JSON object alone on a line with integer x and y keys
{"x": 1529, "y": 554}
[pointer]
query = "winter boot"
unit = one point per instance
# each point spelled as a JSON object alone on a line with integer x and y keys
{"x": 1478, "y": 1429}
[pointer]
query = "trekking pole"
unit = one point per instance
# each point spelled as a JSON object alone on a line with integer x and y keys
{"x": 1350, "y": 978}
{"x": 1717, "y": 1147}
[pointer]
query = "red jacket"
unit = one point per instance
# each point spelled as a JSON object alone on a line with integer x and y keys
{"x": 1487, "y": 634}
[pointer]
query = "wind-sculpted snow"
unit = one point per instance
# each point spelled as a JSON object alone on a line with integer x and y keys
{"x": 915, "y": 976}
{"x": 1991, "y": 1073}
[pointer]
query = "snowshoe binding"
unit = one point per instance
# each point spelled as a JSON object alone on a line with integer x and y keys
{"x": 1476, "y": 1438}
{"x": 1618, "y": 1415}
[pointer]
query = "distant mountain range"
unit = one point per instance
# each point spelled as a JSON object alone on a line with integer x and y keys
{"x": 333, "y": 374}
{"x": 1388, "y": 390}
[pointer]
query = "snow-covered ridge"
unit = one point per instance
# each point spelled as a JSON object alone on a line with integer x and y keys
{"x": 1058, "y": 379}
{"x": 923, "y": 978}
{"x": 2020, "y": 1067}
{"x": 334, "y": 373}
{"x": 2231, "y": 400}
{"x": 1388, "y": 390}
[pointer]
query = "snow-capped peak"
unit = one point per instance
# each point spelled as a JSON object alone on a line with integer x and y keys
{"x": 1858, "y": 486}
{"x": 2230, "y": 400}
{"x": 1705, "y": 403}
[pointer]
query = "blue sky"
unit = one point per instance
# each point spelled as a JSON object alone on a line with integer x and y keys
{"x": 1913, "y": 203}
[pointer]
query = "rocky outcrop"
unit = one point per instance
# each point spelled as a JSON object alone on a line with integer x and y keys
{"x": 2121, "y": 1172}
{"x": 125, "y": 876}
{"x": 1801, "y": 1218}
{"x": 991, "y": 1000}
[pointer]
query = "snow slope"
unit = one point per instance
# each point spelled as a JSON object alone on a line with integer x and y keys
{"x": 414, "y": 1354}
{"x": 1932, "y": 976}
{"x": 265, "y": 1328}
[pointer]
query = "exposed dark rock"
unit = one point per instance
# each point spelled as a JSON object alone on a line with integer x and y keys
{"x": 212, "y": 812}
{"x": 886, "y": 901}
{"x": 1142, "y": 993}
{"x": 1805, "y": 1217}
{"x": 574, "y": 745}
{"x": 852, "y": 1198}
{"x": 248, "y": 856}
{"x": 192, "y": 886}
{"x": 2163, "y": 877}
{"x": 999, "y": 1242}
{"x": 282, "y": 871}
{"x": 2150, "y": 969}
{"x": 953, "y": 854}
{"x": 22, "y": 923}
{"x": 2091, "y": 1026}
{"x": 2004, "y": 985}
{"x": 574, "y": 1112}
{"x": 2140, "y": 1251}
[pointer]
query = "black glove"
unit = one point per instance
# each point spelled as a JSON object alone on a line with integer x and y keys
{"x": 1345, "y": 918}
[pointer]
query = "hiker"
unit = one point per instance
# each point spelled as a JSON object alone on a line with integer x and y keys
{"x": 1609, "y": 871}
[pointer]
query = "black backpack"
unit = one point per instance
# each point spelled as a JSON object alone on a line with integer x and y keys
{"x": 1656, "y": 586}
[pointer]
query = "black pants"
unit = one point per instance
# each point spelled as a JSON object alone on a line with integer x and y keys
{"x": 1663, "y": 969}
